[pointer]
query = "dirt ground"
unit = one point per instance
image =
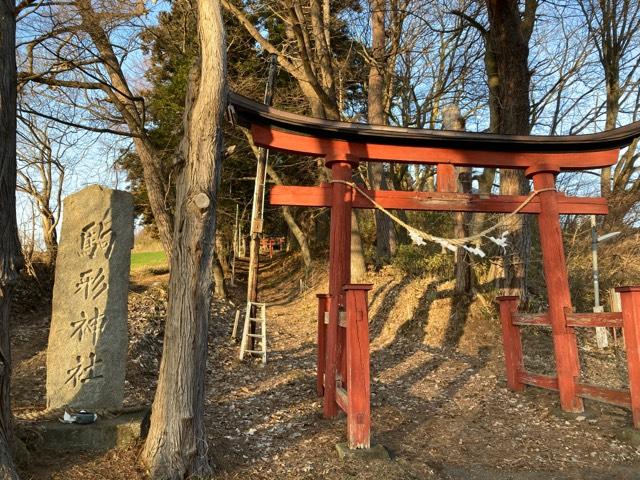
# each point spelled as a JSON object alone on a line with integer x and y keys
{"x": 442, "y": 414}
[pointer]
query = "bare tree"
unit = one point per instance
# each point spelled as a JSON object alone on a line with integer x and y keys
{"x": 306, "y": 55}
{"x": 75, "y": 50}
{"x": 42, "y": 148}
{"x": 614, "y": 29}
{"x": 176, "y": 447}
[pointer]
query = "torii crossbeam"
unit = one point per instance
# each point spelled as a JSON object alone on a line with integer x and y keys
{"x": 343, "y": 378}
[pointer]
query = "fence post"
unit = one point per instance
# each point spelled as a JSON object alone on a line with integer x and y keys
{"x": 323, "y": 308}
{"x": 511, "y": 341}
{"x": 358, "y": 374}
{"x": 630, "y": 300}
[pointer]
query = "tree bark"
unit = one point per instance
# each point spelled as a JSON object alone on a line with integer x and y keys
{"x": 218, "y": 279}
{"x": 176, "y": 447}
{"x": 385, "y": 233}
{"x": 462, "y": 294}
{"x": 50, "y": 235}
{"x": 358, "y": 265}
{"x": 10, "y": 257}
{"x": 509, "y": 79}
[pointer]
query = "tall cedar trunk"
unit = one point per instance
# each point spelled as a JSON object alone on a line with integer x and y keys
{"x": 10, "y": 259}
{"x": 123, "y": 99}
{"x": 385, "y": 233}
{"x": 462, "y": 294}
{"x": 508, "y": 42}
{"x": 176, "y": 446}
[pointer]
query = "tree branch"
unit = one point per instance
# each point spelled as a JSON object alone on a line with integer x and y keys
{"x": 83, "y": 127}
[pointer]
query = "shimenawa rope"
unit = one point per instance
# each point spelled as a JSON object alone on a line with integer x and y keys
{"x": 418, "y": 236}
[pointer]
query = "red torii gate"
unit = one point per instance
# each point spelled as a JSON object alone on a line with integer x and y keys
{"x": 343, "y": 378}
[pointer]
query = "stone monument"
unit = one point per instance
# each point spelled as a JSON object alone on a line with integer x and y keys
{"x": 87, "y": 352}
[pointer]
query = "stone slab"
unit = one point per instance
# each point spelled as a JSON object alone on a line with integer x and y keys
{"x": 376, "y": 452}
{"x": 105, "y": 434}
{"x": 629, "y": 435}
{"x": 86, "y": 355}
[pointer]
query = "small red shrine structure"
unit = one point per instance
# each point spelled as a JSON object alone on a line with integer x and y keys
{"x": 269, "y": 245}
{"x": 343, "y": 377}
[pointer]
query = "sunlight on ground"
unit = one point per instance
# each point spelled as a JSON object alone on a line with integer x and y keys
{"x": 140, "y": 260}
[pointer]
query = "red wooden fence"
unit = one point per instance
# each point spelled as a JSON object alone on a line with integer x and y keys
{"x": 628, "y": 319}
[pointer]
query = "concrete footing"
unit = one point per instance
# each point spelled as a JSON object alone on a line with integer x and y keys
{"x": 376, "y": 452}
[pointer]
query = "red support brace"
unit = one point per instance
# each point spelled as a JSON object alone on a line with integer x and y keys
{"x": 358, "y": 375}
{"x": 512, "y": 342}
{"x": 557, "y": 280}
{"x": 323, "y": 308}
{"x": 630, "y": 300}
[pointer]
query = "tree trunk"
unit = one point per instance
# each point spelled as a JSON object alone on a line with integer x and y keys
{"x": 50, "y": 235}
{"x": 358, "y": 265}
{"x": 385, "y": 233}
{"x": 509, "y": 78}
{"x": 10, "y": 258}
{"x": 218, "y": 279}
{"x": 222, "y": 254}
{"x": 177, "y": 443}
{"x": 462, "y": 295}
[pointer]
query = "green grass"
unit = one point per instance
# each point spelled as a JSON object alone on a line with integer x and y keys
{"x": 141, "y": 260}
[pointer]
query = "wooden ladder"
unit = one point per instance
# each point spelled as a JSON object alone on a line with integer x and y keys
{"x": 261, "y": 323}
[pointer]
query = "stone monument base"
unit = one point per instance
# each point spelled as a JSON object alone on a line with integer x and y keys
{"x": 105, "y": 434}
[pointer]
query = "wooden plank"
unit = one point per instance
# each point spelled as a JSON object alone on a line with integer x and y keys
{"x": 358, "y": 374}
{"x": 511, "y": 341}
{"x": 531, "y": 319}
{"x": 603, "y": 319}
{"x": 323, "y": 307}
{"x": 537, "y": 380}
{"x": 622, "y": 398}
{"x": 320, "y": 196}
{"x": 332, "y": 149}
{"x": 630, "y": 300}
{"x": 565, "y": 345}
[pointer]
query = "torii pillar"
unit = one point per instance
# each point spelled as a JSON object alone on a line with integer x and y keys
{"x": 557, "y": 281}
{"x": 339, "y": 269}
